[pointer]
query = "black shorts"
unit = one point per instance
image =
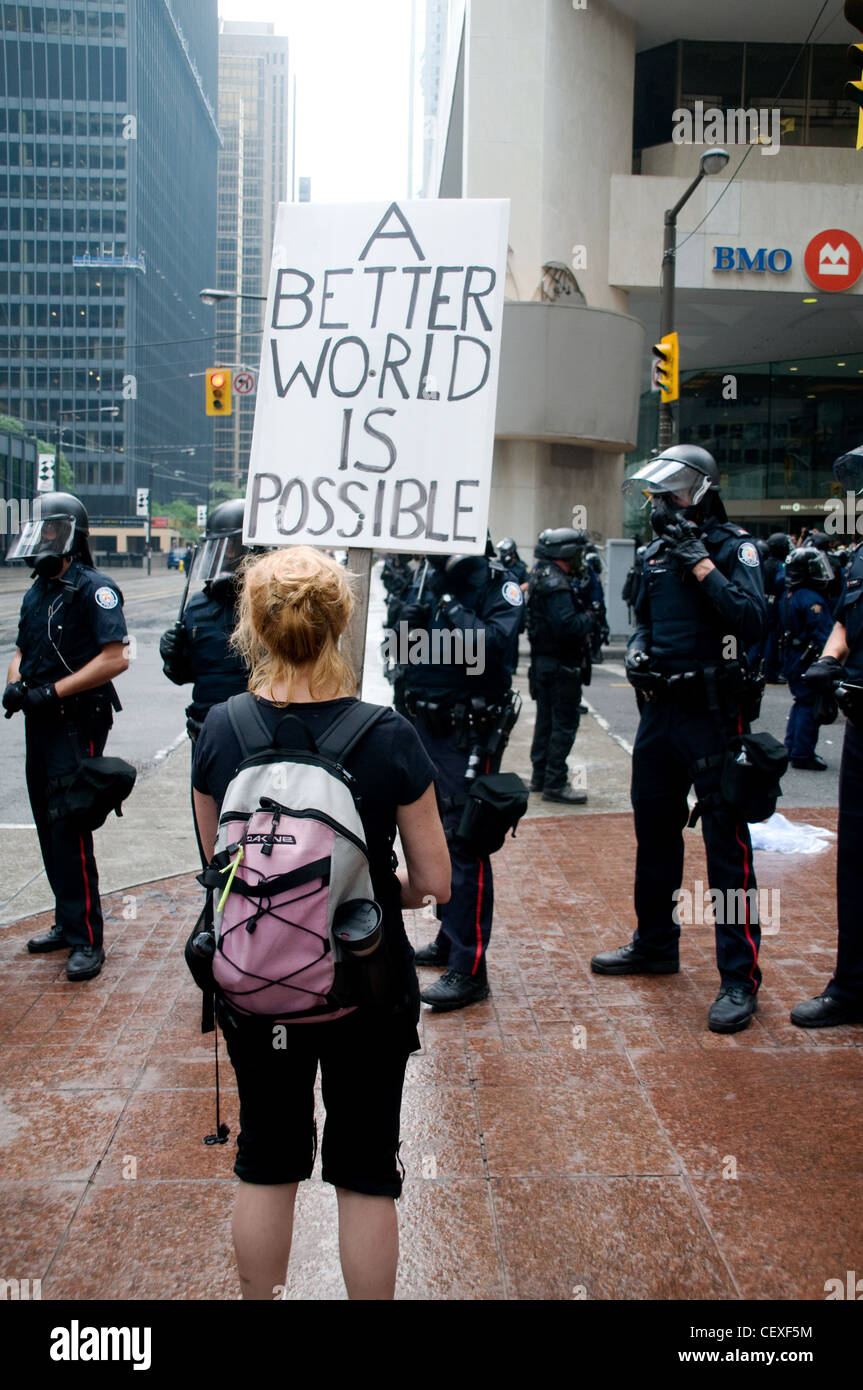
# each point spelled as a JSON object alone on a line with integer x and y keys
{"x": 362, "y": 1058}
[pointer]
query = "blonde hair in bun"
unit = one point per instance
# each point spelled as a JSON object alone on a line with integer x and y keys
{"x": 294, "y": 604}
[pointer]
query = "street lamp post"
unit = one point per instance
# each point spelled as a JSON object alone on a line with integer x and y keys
{"x": 712, "y": 162}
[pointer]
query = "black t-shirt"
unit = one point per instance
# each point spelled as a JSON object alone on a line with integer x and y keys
{"x": 391, "y": 768}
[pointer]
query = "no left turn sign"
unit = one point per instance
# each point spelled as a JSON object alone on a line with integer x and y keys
{"x": 244, "y": 383}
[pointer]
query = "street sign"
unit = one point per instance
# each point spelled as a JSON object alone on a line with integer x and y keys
{"x": 244, "y": 383}
{"x": 142, "y": 502}
{"x": 45, "y": 473}
{"x": 375, "y": 406}
{"x": 202, "y": 514}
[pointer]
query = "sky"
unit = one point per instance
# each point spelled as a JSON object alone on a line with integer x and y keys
{"x": 352, "y": 64}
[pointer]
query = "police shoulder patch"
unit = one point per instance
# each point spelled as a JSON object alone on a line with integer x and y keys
{"x": 512, "y": 593}
{"x": 749, "y": 554}
{"x": 105, "y": 597}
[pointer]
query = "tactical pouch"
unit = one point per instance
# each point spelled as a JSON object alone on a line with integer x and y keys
{"x": 751, "y": 774}
{"x": 494, "y": 805}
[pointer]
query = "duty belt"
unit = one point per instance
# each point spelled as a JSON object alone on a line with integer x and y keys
{"x": 849, "y": 698}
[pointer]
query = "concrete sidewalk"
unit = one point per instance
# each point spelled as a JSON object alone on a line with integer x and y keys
{"x": 573, "y": 1136}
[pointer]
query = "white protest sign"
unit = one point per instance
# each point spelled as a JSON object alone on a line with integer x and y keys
{"x": 374, "y": 421}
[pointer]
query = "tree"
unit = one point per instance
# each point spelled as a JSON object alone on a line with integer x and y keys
{"x": 66, "y": 480}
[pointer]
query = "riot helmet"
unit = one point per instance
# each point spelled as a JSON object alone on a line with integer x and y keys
{"x": 809, "y": 568}
{"x": 59, "y": 528}
{"x": 819, "y": 539}
{"x": 762, "y": 548}
{"x": 456, "y": 573}
{"x": 507, "y": 551}
{"x": 680, "y": 480}
{"x": 561, "y": 543}
{"x": 848, "y": 470}
{"x": 221, "y": 549}
{"x": 778, "y": 545}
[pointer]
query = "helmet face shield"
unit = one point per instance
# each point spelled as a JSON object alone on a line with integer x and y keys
{"x": 50, "y": 535}
{"x": 848, "y": 470}
{"x": 217, "y": 557}
{"x": 665, "y": 476}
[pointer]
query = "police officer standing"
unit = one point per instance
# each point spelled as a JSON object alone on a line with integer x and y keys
{"x": 842, "y": 662}
{"x": 700, "y": 587}
{"x": 559, "y": 628}
{"x": 70, "y": 647}
{"x": 806, "y": 624}
{"x": 197, "y": 648}
{"x": 470, "y": 609}
{"x": 773, "y": 575}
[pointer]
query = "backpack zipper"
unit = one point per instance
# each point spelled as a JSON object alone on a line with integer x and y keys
{"x": 269, "y": 805}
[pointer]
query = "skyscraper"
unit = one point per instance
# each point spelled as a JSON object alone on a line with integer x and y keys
{"x": 255, "y": 115}
{"x": 108, "y": 145}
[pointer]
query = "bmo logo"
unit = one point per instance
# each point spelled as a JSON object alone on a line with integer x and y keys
{"x": 762, "y": 260}
{"x": 833, "y": 260}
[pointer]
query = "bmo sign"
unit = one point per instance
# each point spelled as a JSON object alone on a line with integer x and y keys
{"x": 833, "y": 260}
{"x": 762, "y": 260}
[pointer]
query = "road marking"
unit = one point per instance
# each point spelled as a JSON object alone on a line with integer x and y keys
{"x": 25, "y": 826}
{"x": 606, "y": 728}
{"x": 163, "y": 753}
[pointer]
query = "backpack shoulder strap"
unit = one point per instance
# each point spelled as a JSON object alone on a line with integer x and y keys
{"x": 347, "y": 729}
{"x": 247, "y": 724}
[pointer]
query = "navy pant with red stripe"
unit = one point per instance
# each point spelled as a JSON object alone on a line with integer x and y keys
{"x": 670, "y": 740}
{"x": 67, "y": 852}
{"x": 465, "y": 921}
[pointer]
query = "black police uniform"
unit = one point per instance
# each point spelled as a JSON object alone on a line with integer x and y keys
{"x": 559, "y": 625}
{"x": 444, "y": 701}
{"x": 806, "y": 624}
{"x": 685, "y": 625}
{"x": 64, "y": 624}
{"x": 203, "y": 654}
{"x": 846, "y": 986}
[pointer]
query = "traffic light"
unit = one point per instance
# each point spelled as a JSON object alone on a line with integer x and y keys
{"x": 854, "y": 90}
{"x": 665, "y": 367}
{"x": 219, "y": 400}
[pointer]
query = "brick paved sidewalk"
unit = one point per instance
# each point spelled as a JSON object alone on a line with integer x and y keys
{"x": 642, "y": 1157}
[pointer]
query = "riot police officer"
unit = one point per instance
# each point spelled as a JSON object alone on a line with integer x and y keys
{"x": 806, "y": 624}
{"x": 833, "y": 593}
{"x": 700, "y": 587}
{"x": 70, "y": 646}
{"x": 460, "y": 698}
{"x": 559, "y": 628}
{"x": 197, "y": 647}
{"x": 841, "y": 666}
{"x": 773, "y": 575}
{"x": 507, "y": 553}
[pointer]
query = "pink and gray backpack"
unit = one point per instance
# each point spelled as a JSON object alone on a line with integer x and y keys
{"x": 290, "y": 853}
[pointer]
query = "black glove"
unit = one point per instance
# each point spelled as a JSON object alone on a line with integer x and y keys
{"x": 685, "y": 546}
{"x": 172, "y": 644}
{"x": 823, "y": 674}
{"x": 638, "y": 672}
{"x": 13, "y": 698}
{"x": 416, "y": 615}
{"x": 40, "y": 699}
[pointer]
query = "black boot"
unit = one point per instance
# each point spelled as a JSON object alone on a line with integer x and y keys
{"x": 430, "y": 955}
{"x": 54, "y": 940}
{"x": 732, "y": 1010}
{"x": 629, "y": 960}
{"x": 568, "y": 795}
{"x": 825, "y": 1012}
{"x": 454, "y": 990}
{"x": 84, "y": 963}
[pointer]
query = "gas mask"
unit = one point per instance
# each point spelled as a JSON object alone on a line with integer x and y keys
{"x": 664, "y": 512}
{"x": 47, "y": 566}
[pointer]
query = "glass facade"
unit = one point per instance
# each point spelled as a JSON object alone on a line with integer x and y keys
{"x": 18, "y": 467}
{"x": 775, "y": 441}
{"x": 107, "y": 224}
{"x": 255, "y": 116}
{"x": 737, "y": 76}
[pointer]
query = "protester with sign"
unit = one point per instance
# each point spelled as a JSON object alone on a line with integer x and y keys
{"x": 463, "y": 708}
{"x": 293, "y": 607}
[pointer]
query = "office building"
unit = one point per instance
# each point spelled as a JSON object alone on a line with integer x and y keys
{"x": 573, "y": 111}
{"x": 255, "y": 115}
{"x": 108, "y": 145}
